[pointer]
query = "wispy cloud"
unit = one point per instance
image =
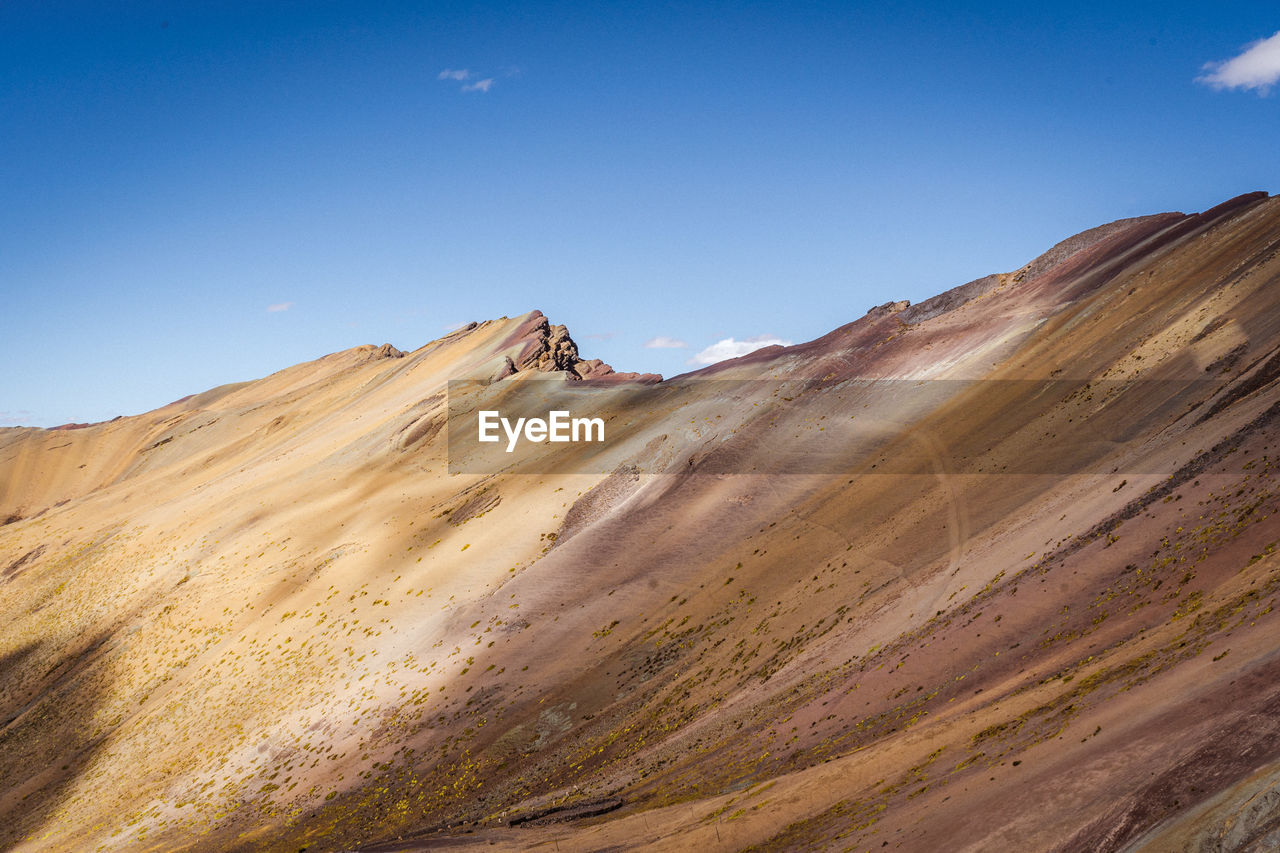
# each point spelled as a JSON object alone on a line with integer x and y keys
{"x": 466, "y": 77}
{"x": 279, "y": 306}
{"x": 16, "y": 418}
{"x": 730, "y": 348}
{"x": 453, "y": 327}
{"x": 663, "y": 342}
{"x": 1256, "y": 67}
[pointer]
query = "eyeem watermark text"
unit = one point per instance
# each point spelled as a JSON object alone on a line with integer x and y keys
{"x": 558, "y": 426}
{"x": 855, "y": 426}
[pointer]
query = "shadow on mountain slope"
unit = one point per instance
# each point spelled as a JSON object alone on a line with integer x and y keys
{"x": 49, "y": 702}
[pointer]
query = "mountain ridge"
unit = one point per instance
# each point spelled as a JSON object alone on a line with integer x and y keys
{"x": 268, "y": 617}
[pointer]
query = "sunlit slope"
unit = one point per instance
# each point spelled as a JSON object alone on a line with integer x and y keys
{"x": 141, "y": 649}
{"x": 268, "y": 618}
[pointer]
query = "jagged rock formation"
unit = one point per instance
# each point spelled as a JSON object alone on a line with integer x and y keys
{"x": 269, "y": 617}
{"x": 547, "y": 348}
{"x": 887, "y": 309}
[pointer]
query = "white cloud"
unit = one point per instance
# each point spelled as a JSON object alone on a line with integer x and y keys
{"x": 479, "y": 86}
{"x": 459, "y": 74}
{"x": 1258, "y": 67}
{"x": 280, "y": 306}
{"x": 663, "y": 342}
{"x": 730, "y": 348}
{"x": 453, "y": 327}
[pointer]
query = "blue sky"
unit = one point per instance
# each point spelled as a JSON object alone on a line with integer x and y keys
{"x": 172, "y": 171}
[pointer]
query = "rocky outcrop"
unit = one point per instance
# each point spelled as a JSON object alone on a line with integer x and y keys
{"x": 547, "y": 348}
{"x": 554, "y": 350}
{"x": 363, "y": 353}
{"x": 888, "y": 308}
{"x": 938, "y": 305}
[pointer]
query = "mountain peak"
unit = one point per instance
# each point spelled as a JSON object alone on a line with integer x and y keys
{"x": 541, "y": 346}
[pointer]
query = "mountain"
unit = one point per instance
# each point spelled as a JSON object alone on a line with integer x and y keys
{"x": 996, "y": 571}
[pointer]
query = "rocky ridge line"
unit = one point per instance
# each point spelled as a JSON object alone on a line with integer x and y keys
{"x": 548, "y": 348}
